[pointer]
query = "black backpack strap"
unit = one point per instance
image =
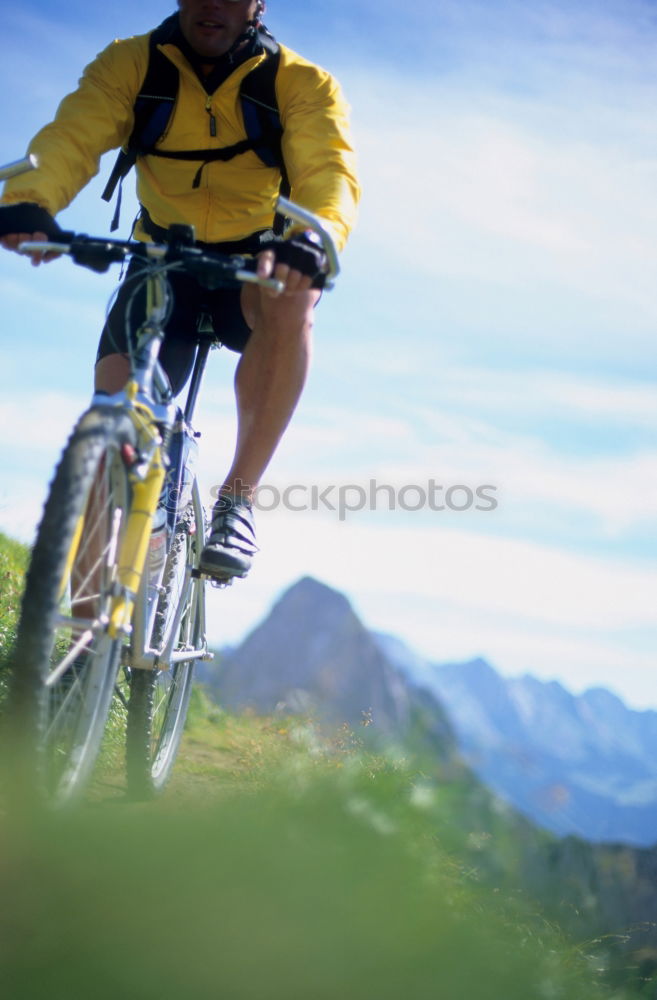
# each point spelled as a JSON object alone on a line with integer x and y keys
{"x": 158, "y": 94}
{"x": 260, "y": 108}
{"x": 152, "y": 109}
{"x": 262, "y": 119}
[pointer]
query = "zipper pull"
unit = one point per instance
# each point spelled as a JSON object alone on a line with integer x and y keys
{"x": 213, "y": 120}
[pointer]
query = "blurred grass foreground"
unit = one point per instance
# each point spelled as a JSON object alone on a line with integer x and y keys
{"x": 310, "y": 875}
{"x": 278, "y": 865}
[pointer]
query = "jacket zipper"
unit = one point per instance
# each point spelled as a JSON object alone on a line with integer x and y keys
{"x": 213, "y": 120}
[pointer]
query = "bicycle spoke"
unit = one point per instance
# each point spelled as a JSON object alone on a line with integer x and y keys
{"x": 157, "y": 707}
{"x": 81, "y": 644}
{"x": 104, "y": 559}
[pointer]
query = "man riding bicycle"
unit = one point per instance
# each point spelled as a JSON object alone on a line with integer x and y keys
{"x": 191, "y": 174}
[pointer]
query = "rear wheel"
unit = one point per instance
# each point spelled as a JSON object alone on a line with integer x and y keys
{"x": 159, "y": 699}
{"x": 65, "y": 663}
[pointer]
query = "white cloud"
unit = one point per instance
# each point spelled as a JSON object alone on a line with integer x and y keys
{"x": 453, "y": 442}
{"x": 622, "y": 402}
{"x": 498, "y": 196}
{"x": 523, "y": 580}
{"x": 45, "y": 420}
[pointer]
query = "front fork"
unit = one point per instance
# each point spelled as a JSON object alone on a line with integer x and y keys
{"x": 134, "y": 547}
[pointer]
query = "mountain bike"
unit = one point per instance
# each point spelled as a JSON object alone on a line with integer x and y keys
{"x": 114, "y": 600}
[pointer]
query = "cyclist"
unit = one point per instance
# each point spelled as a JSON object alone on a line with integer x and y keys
{"x": 213, "y": 44}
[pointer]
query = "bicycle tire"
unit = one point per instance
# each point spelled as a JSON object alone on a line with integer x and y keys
{"x": 60, "y": 719}
{"x": 159, "y": 699}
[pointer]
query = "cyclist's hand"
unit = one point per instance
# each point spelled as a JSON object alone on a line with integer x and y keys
{"x": 13, "y": 241}
{"x": 26, "y": 222}
{"x": 297, "y": 262}
{"x": 293, "y": 280}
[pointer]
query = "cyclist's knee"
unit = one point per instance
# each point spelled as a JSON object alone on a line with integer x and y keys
{"x": 111, "y": 373}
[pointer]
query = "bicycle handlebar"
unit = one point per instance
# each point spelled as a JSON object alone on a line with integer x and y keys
{"x": 98, "y": 254}
{"x": 18, "y": 167}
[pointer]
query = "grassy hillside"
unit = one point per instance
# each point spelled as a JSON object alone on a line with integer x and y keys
{"x": 281, "y": 863}
{"x": 278, "y": 866}
{"x": 13, "y": 560}
{"x": 13, "y": 563}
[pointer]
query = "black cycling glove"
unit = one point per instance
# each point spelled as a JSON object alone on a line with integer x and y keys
{"x": 301, "y": 253}
{"x": 26, "y": 217}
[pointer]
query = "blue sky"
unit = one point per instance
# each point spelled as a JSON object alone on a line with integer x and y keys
{"x": 494, "y": 324}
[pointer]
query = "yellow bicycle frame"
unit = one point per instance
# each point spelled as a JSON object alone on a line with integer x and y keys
{"x": 146, "y": 494}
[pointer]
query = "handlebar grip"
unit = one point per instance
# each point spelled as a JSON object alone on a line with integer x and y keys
{"x": 250, "y": 278}
{"x": 97, "y": 255}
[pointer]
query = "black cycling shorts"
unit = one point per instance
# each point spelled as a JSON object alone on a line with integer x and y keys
{"x": 190, "y": 302}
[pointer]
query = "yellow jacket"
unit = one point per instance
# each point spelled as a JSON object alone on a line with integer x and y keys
{"x": 235, "y": 198}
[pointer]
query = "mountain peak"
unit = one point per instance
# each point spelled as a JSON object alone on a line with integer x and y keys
{"x": 320, "y": 606}
{"x": 312, "y": 654}
{"x": 310, "y": 591}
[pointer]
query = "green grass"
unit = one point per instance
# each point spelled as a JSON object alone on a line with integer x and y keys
{"x": 282, "y": 863}
{"x": 13, "y": 563}
{"x": 313, "y": 872}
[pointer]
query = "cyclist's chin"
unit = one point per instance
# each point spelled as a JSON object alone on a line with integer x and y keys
{"x": 211, "y": 43}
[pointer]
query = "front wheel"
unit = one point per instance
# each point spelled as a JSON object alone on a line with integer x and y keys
{"x": 159, "y": 699}
{"x": 65, "y": 662}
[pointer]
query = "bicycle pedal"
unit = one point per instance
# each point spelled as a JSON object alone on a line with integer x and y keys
{"x": 199, "y": 574}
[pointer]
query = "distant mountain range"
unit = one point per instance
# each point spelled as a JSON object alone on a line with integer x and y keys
{"x": 583, "y": 765}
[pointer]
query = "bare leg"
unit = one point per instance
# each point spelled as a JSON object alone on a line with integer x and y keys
{"x": 112, "y": 373}
{"x": 269, "y": 379}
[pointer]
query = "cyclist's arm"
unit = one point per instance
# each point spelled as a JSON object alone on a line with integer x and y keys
{"x": 93, "y": 119}
{"x": 317, "y": 146}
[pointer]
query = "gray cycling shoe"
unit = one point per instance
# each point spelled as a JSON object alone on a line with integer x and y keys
{"x": 231, "y": 546}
